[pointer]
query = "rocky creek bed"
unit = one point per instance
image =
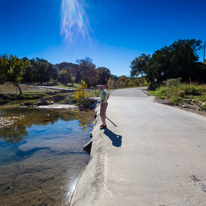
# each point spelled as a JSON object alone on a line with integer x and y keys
{"x": 41, "y": 154}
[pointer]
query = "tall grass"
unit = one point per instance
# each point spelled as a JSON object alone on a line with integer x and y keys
{"x": 176, "y": 92}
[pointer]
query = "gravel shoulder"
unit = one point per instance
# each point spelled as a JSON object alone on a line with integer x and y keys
{"x": 183, "y": 107}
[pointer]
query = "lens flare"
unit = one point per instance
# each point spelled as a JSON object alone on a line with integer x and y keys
{"x": 74, "y": 19}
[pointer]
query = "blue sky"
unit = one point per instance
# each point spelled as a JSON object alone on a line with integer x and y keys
{"x": 111, "y": 32}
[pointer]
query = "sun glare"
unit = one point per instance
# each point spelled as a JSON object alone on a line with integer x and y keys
{"x": 74, "y": 19}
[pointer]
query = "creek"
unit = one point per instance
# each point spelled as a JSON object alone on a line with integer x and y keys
{"x": 41, "y": 155}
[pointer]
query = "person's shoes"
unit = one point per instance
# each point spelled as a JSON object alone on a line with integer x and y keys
{"x": 103, "y": 127}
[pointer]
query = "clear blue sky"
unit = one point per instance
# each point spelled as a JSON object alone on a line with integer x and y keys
{"x": 111, "y": 32}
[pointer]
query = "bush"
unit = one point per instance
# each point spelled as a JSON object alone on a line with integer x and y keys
{"x": 162, "y": 90}
{"x": 81, "y": 93}
{"x": 175, "y": 99}
{"x": 172, "y": 82}
{"x": 192, "y": 90}
{"x": 6, "y": 97}
{"x": 181, "y": 93}
{"x": 22, "y": 96}
{"x": 3, "y": 101}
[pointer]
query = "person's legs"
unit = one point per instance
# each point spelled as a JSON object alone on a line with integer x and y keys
{"x": 103, "y": 119}
{"x": 103, "y": 113}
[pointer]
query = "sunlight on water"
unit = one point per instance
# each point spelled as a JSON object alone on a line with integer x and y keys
{"x": 41, "y": 155}
{"x": 74, "y": 19}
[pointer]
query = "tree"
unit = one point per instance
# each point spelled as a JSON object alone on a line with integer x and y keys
{"x": 121, "y": 82}
{"x": 110, "y": 83}
{"x": 103, "y": 75}
{"x": 177, "y": 60}
{"x": 12, "y": 69}
{"x": 136, "y": 82}
{"x": 65, "y": 77}
{"x": 41, "y": 72}
{"x": 87, "y": 71}
{"x": 52, "y": 70}
{"x": 29, "y": 73}
{"x": 122, "y": 79}
{"x": 3, "y": 70}
{"x": 139, "y": 65}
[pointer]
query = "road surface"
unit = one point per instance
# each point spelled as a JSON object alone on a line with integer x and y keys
{"x": 150, "y": 155}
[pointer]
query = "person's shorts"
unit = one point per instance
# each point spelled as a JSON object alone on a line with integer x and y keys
{"x": 103, "y": 108}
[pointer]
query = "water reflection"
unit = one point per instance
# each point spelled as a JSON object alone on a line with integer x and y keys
{"x": 41, "y": 155}
{"x": 18, "y": 131}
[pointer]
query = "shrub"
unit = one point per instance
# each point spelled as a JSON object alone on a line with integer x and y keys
{"x": 22, "y": 96}
{"x": 2, "y": 101}
{"x": 181, "y": 93}
{"x": 175, "y": 99}
{"x": 81, "y": 93}
{"x": 6, "y": 97}
{"x": 172, "y": 82}
{"x": 162, "y": 90}
{"x": 192, "y": 90}
{"x": 136, "y": 82}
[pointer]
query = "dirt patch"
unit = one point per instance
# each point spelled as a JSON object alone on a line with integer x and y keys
{"x": 11, "y": 89}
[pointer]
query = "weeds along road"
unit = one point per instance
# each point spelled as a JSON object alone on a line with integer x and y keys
{"x": 150, "y": 155}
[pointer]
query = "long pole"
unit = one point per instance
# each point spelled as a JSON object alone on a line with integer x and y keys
{"x": 204, "y": 53}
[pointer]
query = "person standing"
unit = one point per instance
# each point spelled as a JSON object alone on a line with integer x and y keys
{"x": 103, "y": 106}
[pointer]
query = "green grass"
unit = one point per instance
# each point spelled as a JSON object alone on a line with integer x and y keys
{"x": 95, "y": 93}
{"x": 181, "y": 93}
{"x": 68, "y": 86}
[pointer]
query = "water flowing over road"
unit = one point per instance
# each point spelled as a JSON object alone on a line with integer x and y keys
{"x": 150, "y": 155}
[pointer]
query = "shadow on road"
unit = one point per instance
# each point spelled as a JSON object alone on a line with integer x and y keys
{"x": 111, "y": 122}
{"x": 116, "y": 139}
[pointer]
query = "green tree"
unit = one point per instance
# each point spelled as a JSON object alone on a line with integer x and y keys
{"x": 52, "y": 70}
{"x": 177, "y": 60}
{"x": 13, "y": 69}
{"x": 103, "y": 75}
{"x": 139, "y": 65}
{"x": 65, "y": 77}
{"x": 3, "y": 70}
{"x": 136, "y": 82}
{"x": 111, "y": 83}
{"x": 87, "y": 71}
{"x": 41, "y": 70}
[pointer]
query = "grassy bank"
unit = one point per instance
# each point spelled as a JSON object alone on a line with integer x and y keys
{"x": 31, "y": 94}
{"x": 182, "y": 93}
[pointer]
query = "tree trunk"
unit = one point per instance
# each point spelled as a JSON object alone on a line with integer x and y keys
{"x": 19, "y": 89}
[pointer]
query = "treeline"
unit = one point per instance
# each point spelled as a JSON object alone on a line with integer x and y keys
{"x": 177, "y": 60}
{"x": 42, "y": 71}
{"x": 15, "y": 70}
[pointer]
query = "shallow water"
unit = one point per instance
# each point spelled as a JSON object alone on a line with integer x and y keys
{"x": 41, "y": 155}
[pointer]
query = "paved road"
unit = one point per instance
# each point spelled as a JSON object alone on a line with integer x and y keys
{"x": 150, "y": 155}
{"x": 137, "y": 92}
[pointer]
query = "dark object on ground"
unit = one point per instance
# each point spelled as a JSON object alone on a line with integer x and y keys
{"x": 88, "y": 101}
{"x": 42, "y": 102}
{"x": 87, "y": 147}
{"x": 103, "y": 127}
